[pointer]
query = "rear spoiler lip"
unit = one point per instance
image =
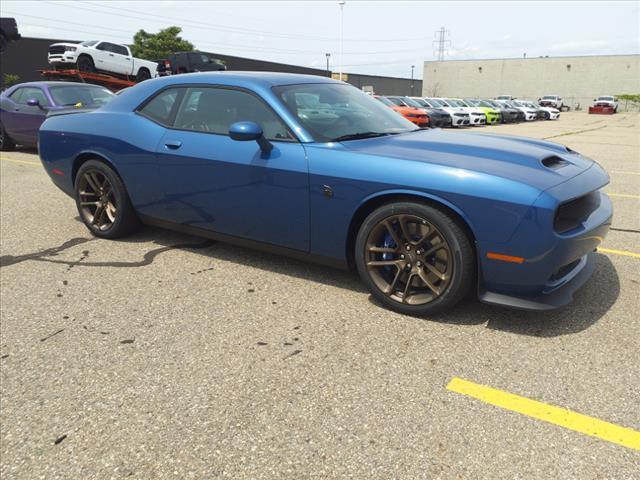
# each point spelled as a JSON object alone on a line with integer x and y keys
{"x": 69, "y": 111}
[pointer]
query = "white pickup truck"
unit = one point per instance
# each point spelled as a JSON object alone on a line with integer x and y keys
{"x": 102, "y": 56}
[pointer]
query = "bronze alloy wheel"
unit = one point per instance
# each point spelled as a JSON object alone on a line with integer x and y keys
{"x": 408, "y": 259}
{"x": 97, "y": 200}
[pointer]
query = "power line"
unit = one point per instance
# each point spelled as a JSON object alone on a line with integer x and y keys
{"x": 212, "y": 26}
{"x": 238, "y": 46}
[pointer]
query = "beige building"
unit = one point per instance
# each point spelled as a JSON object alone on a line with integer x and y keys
{"x": 578, "y": 80}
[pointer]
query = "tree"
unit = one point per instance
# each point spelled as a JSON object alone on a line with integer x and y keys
{"x": 154, "y": 46}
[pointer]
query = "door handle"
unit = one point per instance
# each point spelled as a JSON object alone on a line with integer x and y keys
{"x": 173, "y": 144}
{"x": 111, "y": 54}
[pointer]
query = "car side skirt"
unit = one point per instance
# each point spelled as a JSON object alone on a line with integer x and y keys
{"x": 246, "y": 243}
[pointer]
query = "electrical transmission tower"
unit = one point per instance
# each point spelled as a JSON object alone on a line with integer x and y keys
{"x": 441, "y": 43}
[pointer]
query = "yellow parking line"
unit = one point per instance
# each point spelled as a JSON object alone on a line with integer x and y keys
{"x": 610, "y": 432}
{"x": 19, "y": 161}
{"x": 625, "y": 173}
{"x": 622, "y": 195}
{"x": 619, "y": 252}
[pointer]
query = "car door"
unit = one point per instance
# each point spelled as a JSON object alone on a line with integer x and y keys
{"x": 23, "y": 121}
{"x": 216, "y": 183}
{"x": 103, "y": 57}
{"x": 122, "y": 62}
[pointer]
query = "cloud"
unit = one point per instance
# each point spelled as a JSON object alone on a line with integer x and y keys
{"x": 27, "y": 30}
{"x": 580, "y": 46}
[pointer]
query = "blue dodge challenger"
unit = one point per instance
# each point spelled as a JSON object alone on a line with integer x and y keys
{"x": 311, "y": 167}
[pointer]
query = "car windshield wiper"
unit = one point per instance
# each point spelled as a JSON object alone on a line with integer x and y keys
{"x": 359, "y": 135}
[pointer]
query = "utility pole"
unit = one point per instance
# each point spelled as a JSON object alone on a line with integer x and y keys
{"x": 328, "y": 55}
{"x": 412, "y": 67}
{"x": 442, "y": 42}
{"x": 341, "y": 3}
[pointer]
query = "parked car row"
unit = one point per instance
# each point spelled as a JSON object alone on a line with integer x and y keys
{"x": 457, "y": 112}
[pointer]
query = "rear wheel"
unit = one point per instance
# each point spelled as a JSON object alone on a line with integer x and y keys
{"x": 103, "y": 202}
{"x": 414, "y": 258}
{"x": 85, "y": 64}
{"x": 143, "y": 74}
{"x": 6, "y": 143}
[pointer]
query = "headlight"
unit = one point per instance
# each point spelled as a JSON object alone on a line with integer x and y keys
{"x": 70, "y": 49}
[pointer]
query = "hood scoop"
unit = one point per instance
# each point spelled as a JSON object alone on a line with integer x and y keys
{"x": 554, "y": 162}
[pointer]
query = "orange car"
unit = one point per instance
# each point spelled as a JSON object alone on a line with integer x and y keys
{"x": 415, "y": 115}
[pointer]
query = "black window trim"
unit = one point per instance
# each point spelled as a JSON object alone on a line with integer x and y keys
{"x": 178, "y": 103}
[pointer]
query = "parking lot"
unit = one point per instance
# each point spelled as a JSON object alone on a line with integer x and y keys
{"x": 170, "y": 356}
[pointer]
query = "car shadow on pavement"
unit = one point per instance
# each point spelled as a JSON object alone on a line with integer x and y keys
{"x": 591, "y": 302}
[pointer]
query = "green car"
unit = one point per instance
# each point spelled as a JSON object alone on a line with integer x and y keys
{"x": 493, "y": 115}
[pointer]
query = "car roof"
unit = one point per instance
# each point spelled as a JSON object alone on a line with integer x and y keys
{"x": 53, "y": 83}
{"x": 265, "y": 79}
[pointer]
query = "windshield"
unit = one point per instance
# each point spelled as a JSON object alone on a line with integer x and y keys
{"x": 396, "y": 101}
{"x": 484, "y": 103}
{"x": 421, "y": 102}
{"x": 411, "y": 102}
{"x": 82, "y": 95}
{"x": 89, "y": 43}
{"x": 549, "y": 97}
{"x": 606, "y": 99}
{"x": 436, "y": 103}
{"x": 386, "y": 101}
{"x": 454, "y": 103}
{"x": 342, "y": 111}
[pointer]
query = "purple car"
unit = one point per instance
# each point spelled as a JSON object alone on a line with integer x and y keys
{"x": 24, "y": 107}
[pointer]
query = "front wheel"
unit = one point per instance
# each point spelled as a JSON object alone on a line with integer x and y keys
{"x": 85, "y": 64}
{"x": 414, "y": 258}
{"x": 103, "y": 202}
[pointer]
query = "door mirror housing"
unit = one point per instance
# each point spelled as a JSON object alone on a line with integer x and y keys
{"x": 33, "y": 102}
{"x": 248, "y": 131}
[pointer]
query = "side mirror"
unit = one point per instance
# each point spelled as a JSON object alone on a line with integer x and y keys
{"x": 33, "y": 102}
{"x": 539, "y": 99}
{"x": 595, "y": 100}
{"x": 248, "y": 131}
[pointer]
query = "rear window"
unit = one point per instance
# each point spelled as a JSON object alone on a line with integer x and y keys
{"x": 82, "y": 95}
{"x": 161, "y": 108}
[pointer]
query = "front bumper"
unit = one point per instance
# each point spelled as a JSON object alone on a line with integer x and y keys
{"x": 555, "y": 264}
{"x": 62, "y": 58}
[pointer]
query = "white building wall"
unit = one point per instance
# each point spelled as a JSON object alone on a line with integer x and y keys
{"x": 577, "y": 79}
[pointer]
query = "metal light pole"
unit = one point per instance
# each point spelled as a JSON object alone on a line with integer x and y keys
{"x": 328, "y": 55}
{"x": 341, "y": 37}
{"x": 412, "y": 67}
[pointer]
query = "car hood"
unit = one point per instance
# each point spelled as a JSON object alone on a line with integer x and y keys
{"x": 64, "y": 44}
{"x": 516, "y": 158}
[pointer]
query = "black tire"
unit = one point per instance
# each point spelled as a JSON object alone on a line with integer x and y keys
{"x": 143, "y": 74}
{"x": 85, "y": 64}
{"x": 547, "y": 115}
{"x": 6, "y": 143}
{"x": 459, "y": 253}
{"x": 117, "y": 202}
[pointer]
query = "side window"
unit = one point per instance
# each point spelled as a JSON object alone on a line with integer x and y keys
{"x": 104, "y": 46}
{"x": 194, "y": 59}
{"x": 120, "y": 50}
{"x": 17, "y": 95}
{"x": 213, "y": 110}
{"x": 29, "y": 93}
{"x": 161, "y": 108}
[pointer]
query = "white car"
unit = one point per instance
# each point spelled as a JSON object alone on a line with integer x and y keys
{"x": 529, "y": 113}
{"x": 550, "y": 113}
{"x": 459, "y": 117}
{"x": 607, "y": 101}
{"x": 98, "y": 55}
{"x": 476, "y": 116}
{"x": 553, "y": 101}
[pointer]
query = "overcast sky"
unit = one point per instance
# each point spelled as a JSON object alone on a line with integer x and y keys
{"x": 382, "y": 38}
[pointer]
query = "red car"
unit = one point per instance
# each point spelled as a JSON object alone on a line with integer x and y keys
{"x": 414, "y": 115}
